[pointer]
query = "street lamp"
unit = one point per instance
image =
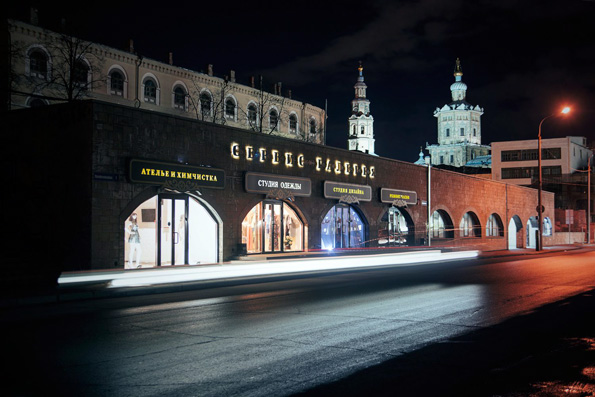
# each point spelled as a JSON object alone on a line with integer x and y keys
{"x": 589, "y": 200}
{"x": 429, "y": 165}
{"x": 539, "y": 245}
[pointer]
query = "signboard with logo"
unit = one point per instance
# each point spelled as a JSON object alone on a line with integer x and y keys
{"x": 393, "y": 195}
{"x": 347, "y": 192}
{"x": 265, "y": 183}
{"x": 175, "y": 175}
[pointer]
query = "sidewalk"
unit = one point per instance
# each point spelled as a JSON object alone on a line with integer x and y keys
{"x": 111, "y": 283}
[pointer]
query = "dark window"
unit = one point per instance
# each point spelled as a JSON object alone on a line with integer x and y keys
{"x": 38, "y": 64}
{"x": 117, "y": 83}
{"x": 292, "y": 123}
{"x": 313, "y": 126}
{"x": 530, "y": 172}
{"x": 273, "y": 119}
{"x": 205, "y": 103}
{"x": 462, "y": 132}
{"x": 252, "y": 114}
{"x": 150, "y": 91}
{"x": 474, "y": 132}
{"x": 230, "y": 108}
{"x": 448, "y": 132}
{"x": 80, "y": 74}
{"x": 452, "y": 159}
{"x": 441, "y": 159}
{"x": 179, "y": 98}
{"x": 531, "y": 154}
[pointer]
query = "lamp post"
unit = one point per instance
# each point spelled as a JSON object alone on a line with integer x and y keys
{"x": 429, "y": 164}
{"x": 539, "y": 242}
{"x": 589, "y": 200}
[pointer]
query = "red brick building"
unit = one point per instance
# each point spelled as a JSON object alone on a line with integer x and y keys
{"x": 205, "y": 193}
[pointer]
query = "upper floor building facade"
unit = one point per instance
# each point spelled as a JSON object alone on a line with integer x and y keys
{"x": 48, "y": 67}
{"x": 516, "y": 162}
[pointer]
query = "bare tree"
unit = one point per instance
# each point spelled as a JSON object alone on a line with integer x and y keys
{"x": 207, "y": 105}
{"x": 268, "y": 111}
{"x": 73, "y": 72}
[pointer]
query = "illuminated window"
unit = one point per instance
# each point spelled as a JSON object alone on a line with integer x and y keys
{"x": 272, "y": 226}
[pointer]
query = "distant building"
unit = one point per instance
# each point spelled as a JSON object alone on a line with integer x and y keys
{"x": 459, "y": 128}
{"x": 361, "y": 122}
{"x": 563, "y": 168}
{"x": 517, "y": 161}
{"x": 51, "y": 67}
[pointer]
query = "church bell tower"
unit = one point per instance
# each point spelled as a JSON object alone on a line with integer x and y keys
{"x": 361, "y": 123}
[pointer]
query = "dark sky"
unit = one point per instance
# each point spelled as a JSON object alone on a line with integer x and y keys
{"x": 522, "y": 60}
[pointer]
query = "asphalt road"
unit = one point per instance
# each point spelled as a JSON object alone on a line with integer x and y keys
{"x": 339, "y": 334}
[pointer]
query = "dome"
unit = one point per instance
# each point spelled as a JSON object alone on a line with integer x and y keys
{"x": 458, "y": 86}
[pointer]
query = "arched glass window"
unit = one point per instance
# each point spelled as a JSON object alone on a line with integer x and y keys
{"x": 343, "y": 227}
{"x": 470, "y": 225}
{"x": 37, "y": 103}
{"x": 273, "y": 119}
{"x": 205, "y": 103}
{"x": 292, "y": 123}
{"x": 312, "y": 126}
{"x": 117, "y": 83}
{"x": 80, "y": 74}
{"x": 494, "y": 227}
{"x": 252, "y": 115}
{"x": 150, "y": 91}
{"x": 179, "y": 98}
{"x": 272, "y": 226}
{"x": 38, "y": 64}
{"x": 441, "y": 225}
{"x": 230, "y": 108}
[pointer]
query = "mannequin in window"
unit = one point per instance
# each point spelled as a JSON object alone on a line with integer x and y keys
{"x": 132, "y": 231}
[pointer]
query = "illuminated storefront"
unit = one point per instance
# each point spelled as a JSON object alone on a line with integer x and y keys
{"x": 173, "y": 227}
{"x": 397, "y": 227}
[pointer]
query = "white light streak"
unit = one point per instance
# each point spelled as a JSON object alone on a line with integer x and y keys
{"x": 257, "y": 269}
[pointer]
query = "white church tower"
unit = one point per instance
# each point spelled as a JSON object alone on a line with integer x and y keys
{"x": 361, "y": 123}
{"x": 459, "y": 128}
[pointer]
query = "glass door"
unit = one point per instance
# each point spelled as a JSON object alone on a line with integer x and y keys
{"x": 272, "y": 227}
{"x": 173, "y": 230}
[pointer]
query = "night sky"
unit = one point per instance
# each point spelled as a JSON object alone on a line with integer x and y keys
{"x": 522, "y": 60}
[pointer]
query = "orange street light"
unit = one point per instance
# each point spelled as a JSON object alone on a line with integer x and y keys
{"x": 539, "y": 243}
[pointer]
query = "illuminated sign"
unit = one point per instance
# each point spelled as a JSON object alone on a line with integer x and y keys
{"x": 264, "y": 183}
{"x": 392, "y": 195}
{"x": 175, "y": 175}
{"x": 290, "y": 159}
{"x": 347, "y": 191}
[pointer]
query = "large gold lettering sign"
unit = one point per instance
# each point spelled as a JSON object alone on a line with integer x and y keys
{"x": 290, "y": 159}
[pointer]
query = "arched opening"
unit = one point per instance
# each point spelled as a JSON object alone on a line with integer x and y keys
{"x": 532, "y": 232}
{"x": 494, "y": 227}
{"x": 168, "y": 230}
{"x": 469, "y": 225}
{"x": 272, "y": 226}
{"x": 514, "y": 226}
{"x": 396, "y": 228}
{"x": 441, "y": 225}
{"x": 343, "y": 226}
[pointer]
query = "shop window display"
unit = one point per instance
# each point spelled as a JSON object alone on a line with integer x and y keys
{"x": 272, "y": 226}
{"x": 170, "y": 230}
